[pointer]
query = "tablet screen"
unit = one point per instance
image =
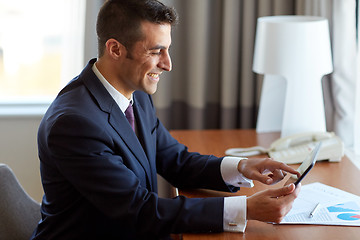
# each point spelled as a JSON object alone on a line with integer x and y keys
{"x": 308, "y": 163}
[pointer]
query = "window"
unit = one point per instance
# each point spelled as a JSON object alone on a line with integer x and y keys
{"x": 41, "y": 48}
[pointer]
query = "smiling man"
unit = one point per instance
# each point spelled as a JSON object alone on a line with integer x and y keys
{"x": 139, "y": 68}
{"x": 101, "y": 146}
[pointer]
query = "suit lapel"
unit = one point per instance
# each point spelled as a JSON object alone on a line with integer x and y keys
{"x": 123, "y": 128}
{"x": 116, "y": 118}
{"x": 144, "y": 131}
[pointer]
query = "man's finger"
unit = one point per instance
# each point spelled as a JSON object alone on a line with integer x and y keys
{"x": 277, "y": 175}
{"x": 279, "y": 192}
{"x": 286, "y": 168}
{"x": 262, "y": 178}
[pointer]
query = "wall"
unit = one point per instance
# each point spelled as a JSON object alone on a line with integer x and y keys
{"x": 18, "y": 149}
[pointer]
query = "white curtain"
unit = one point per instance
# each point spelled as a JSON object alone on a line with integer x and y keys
{"x": 344, "y": 77}
{"x": 357, "y": 105}
{"x": 73, "y": 50}
{"x": 344, "y": 86}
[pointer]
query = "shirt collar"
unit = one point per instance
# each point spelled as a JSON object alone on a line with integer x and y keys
{"x": 120, "y": 99}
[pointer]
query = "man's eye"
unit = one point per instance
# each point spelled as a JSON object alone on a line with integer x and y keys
{"x": 156, "y": 53}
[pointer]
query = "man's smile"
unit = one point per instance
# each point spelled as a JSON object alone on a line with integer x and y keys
{"x": 154, "y": 76}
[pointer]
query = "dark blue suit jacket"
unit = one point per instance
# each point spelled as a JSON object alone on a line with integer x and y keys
{"x": 99, "y": 179}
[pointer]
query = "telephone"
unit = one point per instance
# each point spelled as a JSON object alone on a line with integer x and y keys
{"x": 293, "y": 149}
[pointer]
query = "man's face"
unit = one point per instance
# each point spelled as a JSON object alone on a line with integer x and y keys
{"x": 148, "y": 58}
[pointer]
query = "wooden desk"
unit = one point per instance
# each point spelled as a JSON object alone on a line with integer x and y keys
{"x": 343, "y": 175}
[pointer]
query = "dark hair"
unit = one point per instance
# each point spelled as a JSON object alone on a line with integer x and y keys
{"x": 121, "y": 20}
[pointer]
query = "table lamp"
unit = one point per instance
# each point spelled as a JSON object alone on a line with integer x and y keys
{"x": 293, "y": 53}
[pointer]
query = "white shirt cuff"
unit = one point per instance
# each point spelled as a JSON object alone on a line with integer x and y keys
{"x": 231, "y": 175}
{"x": 235, "y": 214}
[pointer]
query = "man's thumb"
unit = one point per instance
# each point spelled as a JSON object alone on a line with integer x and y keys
{"x": 288, "y": 189}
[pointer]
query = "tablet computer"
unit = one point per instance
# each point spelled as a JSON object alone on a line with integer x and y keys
{"x": 308, "y": 163}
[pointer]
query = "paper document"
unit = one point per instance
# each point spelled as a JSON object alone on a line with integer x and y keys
{"x": 336, "y": 207}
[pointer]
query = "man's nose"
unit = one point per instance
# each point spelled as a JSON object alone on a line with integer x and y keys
{"x": 165, "y": 62}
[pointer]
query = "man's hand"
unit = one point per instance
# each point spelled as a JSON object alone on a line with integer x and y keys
{"x": 265, "y": 170}
{"x": 273, "y": 204}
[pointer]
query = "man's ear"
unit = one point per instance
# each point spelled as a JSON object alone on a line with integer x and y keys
{"x": 115, "y": 49}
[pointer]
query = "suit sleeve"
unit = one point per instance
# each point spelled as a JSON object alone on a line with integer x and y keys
{"x": 186, "y": 169}
{"x": 180, "y": 167}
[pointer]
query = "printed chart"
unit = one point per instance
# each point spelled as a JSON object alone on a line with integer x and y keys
{"x": 349, "y": 217}
{"x": 349, "y": 211}
{"x": 336, "y": 207}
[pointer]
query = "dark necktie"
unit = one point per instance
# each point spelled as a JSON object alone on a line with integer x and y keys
{"x": 129, "y": 113}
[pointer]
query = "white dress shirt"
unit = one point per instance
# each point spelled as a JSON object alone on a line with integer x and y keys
{"x": 234, "y": 207}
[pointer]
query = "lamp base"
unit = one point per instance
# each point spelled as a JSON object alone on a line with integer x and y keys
{"x": 291, "y": 107}
{"x": 272, "y": 102}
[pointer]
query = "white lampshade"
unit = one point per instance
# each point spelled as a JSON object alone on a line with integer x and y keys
{"x": 296, "y": 49}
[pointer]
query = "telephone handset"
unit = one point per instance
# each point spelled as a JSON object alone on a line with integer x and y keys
{"x": 293, "y": 149}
